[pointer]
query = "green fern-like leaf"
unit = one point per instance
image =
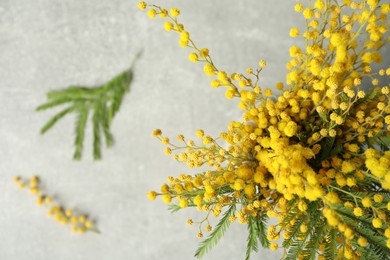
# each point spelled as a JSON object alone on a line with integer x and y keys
{"x": 81, "y": 122}
{"x": 382, "y": 141}
{"x": 103, "y": 102}
{"x": 96, "y": 133}
{"x": 323, "y": 117}
{"x": 363, "y": 227}
{"x": 376, "y": 249}
{"x": 174, "y": 208}
{"x": 216, "y": 235}
{"x": 331, "y": 245}
{"x": 55, "y": 118}
{"x": 253, "y": 243}
{"x": 262, "y": 230}
{"x": 75, "y": 92}
{"x": 106, "y": 128}
{"x": 371, "y": 96}
{"x": 316, "y": 236}
{"x": 294, "y": 232}
{"x": 292, "y": 213}
{"x": 328, "y": 149}
{"x": 54, "y": 103}
{"x": 346, "y": 213}
{"x": 294, "y": 249}
{"x": 257, "y": 231}
{"x": 297, "y": 240}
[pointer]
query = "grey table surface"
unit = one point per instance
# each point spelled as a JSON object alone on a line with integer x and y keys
{"x": 50, "y": 44}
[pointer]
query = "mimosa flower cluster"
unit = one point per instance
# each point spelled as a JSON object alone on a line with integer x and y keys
{"x": 79, "y": 223}
{"x": 314, "y": 155}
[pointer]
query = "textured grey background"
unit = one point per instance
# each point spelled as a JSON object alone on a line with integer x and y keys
{"x": 50, "y": 44}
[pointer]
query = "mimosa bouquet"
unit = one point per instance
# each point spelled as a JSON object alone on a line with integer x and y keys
{"x": 312, "y": 152}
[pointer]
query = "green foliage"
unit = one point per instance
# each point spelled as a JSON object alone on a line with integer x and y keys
{"x": 257, "y": 230}
{"x": 347, "y": 214}
{"x": 226, "y": 189}
{"x": 253, "y": 243}
{"x": 316, "y": 236}
{"x": 81, "y": 122}
{"x": 331, "y": 244}
{"x": 292, "y": 213}
{"x": 175, "y": 207}
{"x": 262, "y": 230}
{"x": 297, "y": 242}
{"x": 372, "y": 96}
{"x": 323, "y": 117}
{"x": 102, "y": 102}
{"x": 216, "y": 235}
{"x": 294, "y": 232}
{"x": 329, "y": 148}
{"x": 376, "y": 249}
{"x": 382, "y": 141}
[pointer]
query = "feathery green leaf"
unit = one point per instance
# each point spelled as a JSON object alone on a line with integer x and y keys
{"x": 81, "y": 122}
{"x": 174, "y": 208}
{"x": 316, "y": 236}
{"x": 54, "y": 103}
{"x": 323, "y": 117}
{"x": 262, "y": 230}
{"x": 102, "y": 101}
{"x": 298, "y": 238}
{"x": 216, "y": 235}
{"x": 96, "y": 134}
{"x": 331, "y": 245}
{"x": 75, "y": 92}
{"x": 253, "y": 243}
{"x": 106, "y": 129}
{"x": 363, "y": 227}
{"x": 55, "y": 119}
{"x": 382, "y": 141}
